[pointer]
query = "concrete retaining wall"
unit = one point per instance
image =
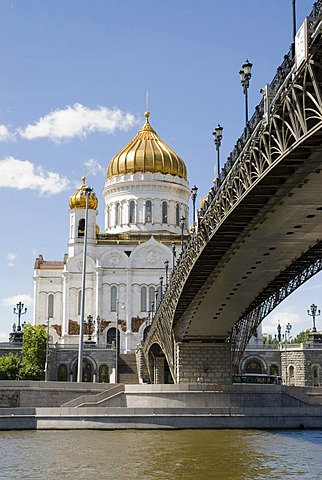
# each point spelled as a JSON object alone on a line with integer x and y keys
{"x": 161, "y": 406}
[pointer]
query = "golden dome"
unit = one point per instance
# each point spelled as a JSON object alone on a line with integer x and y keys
{"x": 147, "y": 153}
{"x": 78, "y": 199}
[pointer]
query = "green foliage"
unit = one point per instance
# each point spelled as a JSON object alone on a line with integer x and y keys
{"x": 33, "y": 352}
{"x": 10, "y": 367}
{"x": 270, "y": 341}
{"x": 301, "y": 337}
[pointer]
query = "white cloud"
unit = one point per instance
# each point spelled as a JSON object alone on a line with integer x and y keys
{"x": 24, "y": 298}
{"x": 283, "y": 318}
{"x": 93, "y": 167}
{"x": 77, "y": 121}
{"x": 22, "y": 174}
{"x": 5, "y": 134}
{"x": 3, "y": 337}
{"x": 11, "y": 258}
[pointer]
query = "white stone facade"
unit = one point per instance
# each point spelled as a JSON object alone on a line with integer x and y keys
{"x": 143, "y": 220}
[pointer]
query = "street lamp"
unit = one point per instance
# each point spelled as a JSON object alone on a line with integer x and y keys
{"x": 182, "y": 224}
{"x": 90, "y": 323}
{"x": 314, "y": 313}
{"x": 194, "y": 192}
{"x": 245, "y": 75}
{"x": 98, "y": 323}
{"x": 161, "y": 288}
{"x": 174, "y": 254}
{"x": 217, "y": 134}
{"x": 288, "y": 329}
{"x": 47, "y": 352}
{"x": 166, "y": 264}
{"x": 294, "y": 19}
{"x": 88, "y": 192}
{"x": 279, "y": 329}
{"x": 19, "y": 310}
{"x": 116, "y": 339}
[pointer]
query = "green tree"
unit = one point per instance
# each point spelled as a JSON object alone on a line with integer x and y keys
{"x": 301, "y": 337}
{"x": 270, "y": 341}
{"x": 34, "y": 346}
{"x": 10, "y": 367}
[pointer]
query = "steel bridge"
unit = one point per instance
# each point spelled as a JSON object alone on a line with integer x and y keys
{"x": 259, "y": 234}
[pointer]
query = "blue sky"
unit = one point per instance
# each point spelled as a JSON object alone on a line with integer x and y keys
{"x": 74, "y": 76}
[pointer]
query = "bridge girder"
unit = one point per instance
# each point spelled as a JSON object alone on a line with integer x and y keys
{"x": 274, "y": 168}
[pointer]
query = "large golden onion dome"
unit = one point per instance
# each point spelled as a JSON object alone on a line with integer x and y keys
{"x": 147, "y": 153}
{"x": 78, "y": 199}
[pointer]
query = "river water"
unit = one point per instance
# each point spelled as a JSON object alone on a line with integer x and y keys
{"x": 162, "y": 454}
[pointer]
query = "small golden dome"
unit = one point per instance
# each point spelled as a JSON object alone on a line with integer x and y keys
{"x": 146, "y": 153}
{"x": 78, "y": 199}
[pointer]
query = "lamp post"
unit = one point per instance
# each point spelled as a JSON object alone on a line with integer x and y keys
{"x": 47, "y": 352}
{"x": 182, "y": 223}
{"x": 98, "y": 323}
{"x": 217, "y": 134}
{"x": 314, "y": 313}
{"x": 288, "y": 329}
{"x": 294, "y": 18}
{"x": 161, "y": 288}
{"x": 90, "y": 323}
{"x": 87, "y": 191}
{"x": 157, "y": 300}
{"x": 245, "y": 75}
{"x": 174, "y": 254}
{"x": 19, "y": 310}
{"x": 116, "y": 339}
{"x": 194, "y": 192}
{"x": 279, "y": 329}
{"x": 166, "y": 264}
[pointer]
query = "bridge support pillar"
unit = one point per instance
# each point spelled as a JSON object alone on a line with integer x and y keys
{"x": 199, "y": 362}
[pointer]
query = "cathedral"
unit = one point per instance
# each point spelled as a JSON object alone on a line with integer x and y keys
{"x": 146, "y": 196}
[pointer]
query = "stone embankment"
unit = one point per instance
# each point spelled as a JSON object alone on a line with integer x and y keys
{"x": 54, "y": 405}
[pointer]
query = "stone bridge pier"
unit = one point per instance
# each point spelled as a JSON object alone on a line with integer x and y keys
{"x": 199, "y": 362}
{"x": 195, "y": 362}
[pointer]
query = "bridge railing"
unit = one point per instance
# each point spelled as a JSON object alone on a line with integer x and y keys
{"x": 195, "y": 241}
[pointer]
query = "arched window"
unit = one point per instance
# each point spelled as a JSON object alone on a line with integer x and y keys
{"x": 81, "y": 227}
{"x": 118, "y": 214}
{"x": 62, "y": 373}
{"x": 143, "y": 299}
{"x": 113, "y": 298}
{"x": 316, "y": 375}
{"x": 164, "y": 212}
{"x": 79, "y": 302}
{"x": 148, "y": 211}
{"x": 50, "y": 305}
{"x": 177, "y": 215}
{"x": 111, "y": 337}
{"x": 132, "y": 212}
{"x": 151, "y": 298}
{"x": 103, "y": 374}
{"x": 253, "y": 366}
{"x": 291, "y": 375}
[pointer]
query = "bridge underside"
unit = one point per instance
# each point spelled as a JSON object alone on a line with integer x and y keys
{"x": 260, "y": 229}
{"x": 279, "y": 220}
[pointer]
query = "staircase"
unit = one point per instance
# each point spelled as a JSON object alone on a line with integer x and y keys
{"x": 127, "y": 369}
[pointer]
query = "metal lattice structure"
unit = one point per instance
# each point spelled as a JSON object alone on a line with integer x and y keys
{"x": 280, "y": 137}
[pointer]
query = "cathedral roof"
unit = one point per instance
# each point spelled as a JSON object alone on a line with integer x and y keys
{"x": 147, "y": 153}
{"x": 78, "y": 199}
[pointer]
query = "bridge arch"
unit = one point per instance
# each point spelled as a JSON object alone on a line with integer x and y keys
{"x": 158, "y": 366}
{"x": 254, "y": 364}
